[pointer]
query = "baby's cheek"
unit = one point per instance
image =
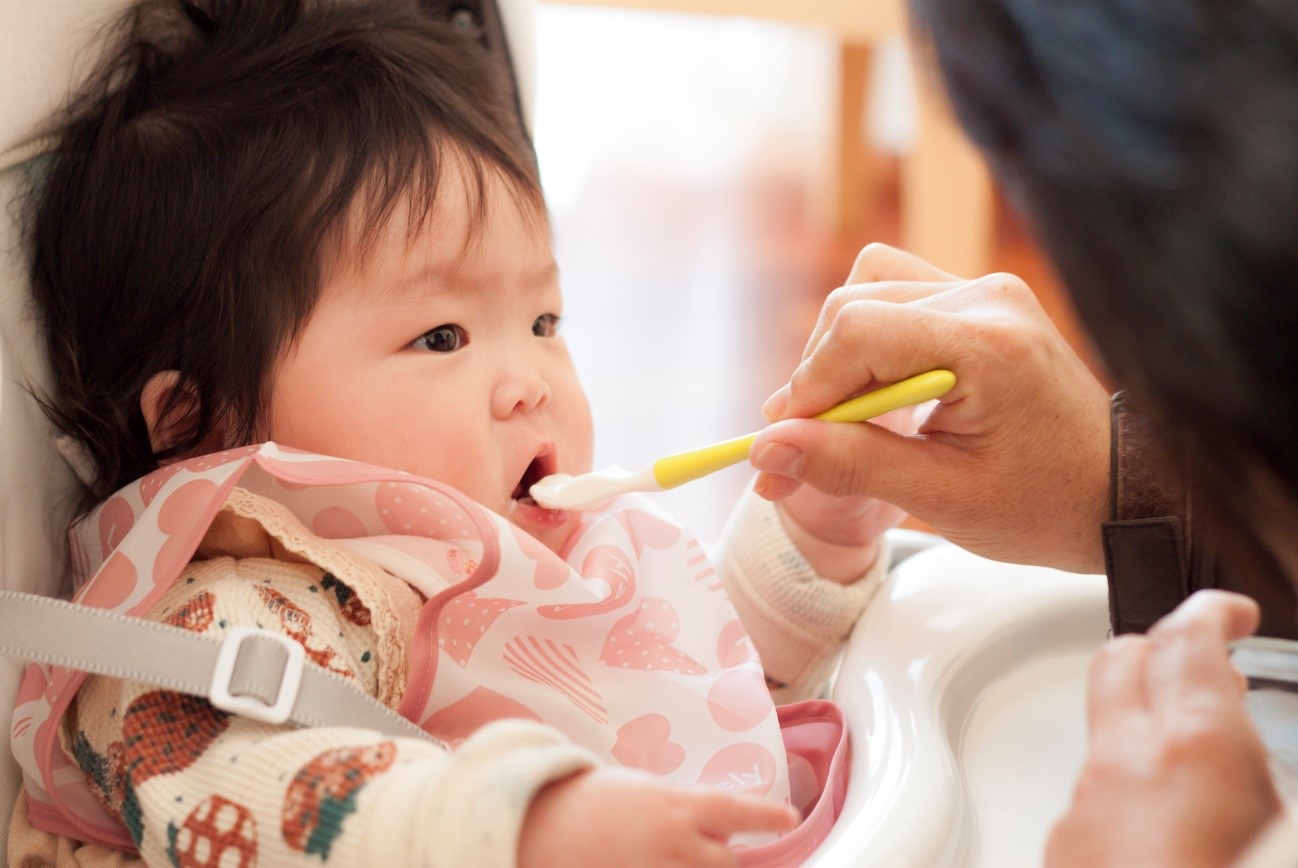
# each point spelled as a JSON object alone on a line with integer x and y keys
{"x": 580, "y": 434}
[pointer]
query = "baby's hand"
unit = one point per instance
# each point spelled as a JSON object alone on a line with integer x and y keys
{"x": 618, "y": 816}
{"x": 839, "y": 535}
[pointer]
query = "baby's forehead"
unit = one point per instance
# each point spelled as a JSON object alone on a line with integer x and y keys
{"x": 463, "y": 240}
{"x": 406, "y": 264}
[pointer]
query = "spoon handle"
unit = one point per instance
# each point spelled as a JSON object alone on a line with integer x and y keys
{"x": 673, "y": 470}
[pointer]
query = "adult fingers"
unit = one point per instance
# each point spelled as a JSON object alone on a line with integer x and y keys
{"x": 721, "y": 815}
{"x": 888, "y": 291}
{"x": 1220, "y": 614}
{"x": 868, "y": 343}
{"x": 774, "y": 486}
{"x": 999, "y": 295}
{"x": 878, "y": 262}
{"x": 865, "y": 341}
{"x": 1190, "y": 662}
{"x": 1115, "y": 685}
{"x": 841, "y": 459}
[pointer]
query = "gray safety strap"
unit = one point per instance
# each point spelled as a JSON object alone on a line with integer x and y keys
{"x": 250, "y": 672}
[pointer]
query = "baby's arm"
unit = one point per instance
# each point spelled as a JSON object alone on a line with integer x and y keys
{"x": 797, "y": 617}
{"x": 621, "y": 816}
{"x": 185, "y": 777}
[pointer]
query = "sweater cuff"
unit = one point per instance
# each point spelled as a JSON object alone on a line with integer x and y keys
{"x": 798, "y": 621}
{"x": 471, "y": 810}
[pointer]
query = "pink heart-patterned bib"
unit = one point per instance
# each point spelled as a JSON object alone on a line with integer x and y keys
{"x": 627, "y": 643}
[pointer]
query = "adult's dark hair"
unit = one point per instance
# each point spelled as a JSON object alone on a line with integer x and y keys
{"x": 185, "y": 218}
{"x": 1154, "y": 147}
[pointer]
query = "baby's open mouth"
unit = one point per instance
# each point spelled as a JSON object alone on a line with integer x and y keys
{"x": 540, "y": 467}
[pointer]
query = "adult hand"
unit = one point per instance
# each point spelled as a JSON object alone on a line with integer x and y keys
{"x": 618, "y": 816}
{"x": 1012, "y": 464}
{"x": 839, "y": 536}
{"x": 1176, "y": 773}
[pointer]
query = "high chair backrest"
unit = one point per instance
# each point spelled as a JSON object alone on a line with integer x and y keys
{"x": 39, "y": 58}
{"x": 45, "y": 50}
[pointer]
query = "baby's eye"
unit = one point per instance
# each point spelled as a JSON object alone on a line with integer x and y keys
{"x": 546, "y": 325}
{"x": 443, "y": 339}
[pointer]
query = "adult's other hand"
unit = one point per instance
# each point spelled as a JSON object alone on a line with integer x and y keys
{"x": 1012, "y": 464}
{"x": 1176, "y": 773}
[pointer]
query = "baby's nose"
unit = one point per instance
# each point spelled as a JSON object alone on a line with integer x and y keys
{"x": 519, "y": 391}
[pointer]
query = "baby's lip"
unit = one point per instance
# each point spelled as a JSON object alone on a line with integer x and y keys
{"x": 522, "y": 509}
{"x": 530, "y": 516}
{"x": 543, "y": 463}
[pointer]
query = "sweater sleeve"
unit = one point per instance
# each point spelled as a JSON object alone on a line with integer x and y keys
{"x": 797, "y": 620}
{"x": 195, "y": 785}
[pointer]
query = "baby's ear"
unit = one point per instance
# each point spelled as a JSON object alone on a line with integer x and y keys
{"x": 171, "y": 408}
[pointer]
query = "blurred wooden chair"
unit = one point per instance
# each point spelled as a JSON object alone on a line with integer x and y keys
{"x": 946, "y": 194}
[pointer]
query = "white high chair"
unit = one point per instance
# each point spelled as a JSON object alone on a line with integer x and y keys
{"x": 963, "y": 684}
{"x": 37, "y": 44}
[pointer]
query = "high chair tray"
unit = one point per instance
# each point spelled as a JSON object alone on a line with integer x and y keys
{"x": 964, "y": 685}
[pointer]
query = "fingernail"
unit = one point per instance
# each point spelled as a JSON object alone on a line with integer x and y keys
{"x": 779, "y": 458}
{"x": 775, "y": 405}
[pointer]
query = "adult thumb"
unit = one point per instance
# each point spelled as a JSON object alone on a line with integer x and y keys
{"x": 846, "y": 458}
{"x": 1224, "y": 615}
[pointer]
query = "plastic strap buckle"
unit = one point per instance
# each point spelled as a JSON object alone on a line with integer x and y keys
{"x": 250, "y": 706}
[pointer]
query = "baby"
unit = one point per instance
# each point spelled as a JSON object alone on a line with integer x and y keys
{"x": 319, "y": 224}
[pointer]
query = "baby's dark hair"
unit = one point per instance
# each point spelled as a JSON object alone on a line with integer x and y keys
{"x": 183, "y": 219}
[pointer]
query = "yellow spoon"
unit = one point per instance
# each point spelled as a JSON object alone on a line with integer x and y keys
{"x": 561, "y": 491}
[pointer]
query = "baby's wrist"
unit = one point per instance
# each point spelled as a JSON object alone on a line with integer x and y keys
{"x": 837, "y": 562}
{"x": 544, "y": 820}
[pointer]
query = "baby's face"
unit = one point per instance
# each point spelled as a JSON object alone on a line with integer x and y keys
{"x": 443, "y": 361}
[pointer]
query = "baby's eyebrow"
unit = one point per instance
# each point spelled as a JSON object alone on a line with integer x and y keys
{"x": 453, "y": 280}
{"x": 545, "y": 276}
{"x": 442, "y": 278}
